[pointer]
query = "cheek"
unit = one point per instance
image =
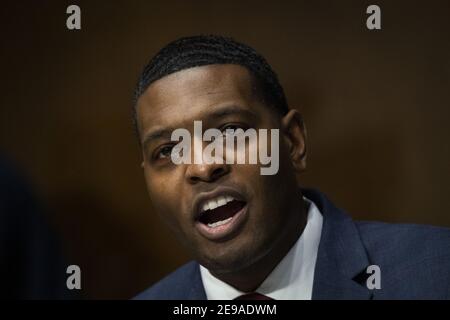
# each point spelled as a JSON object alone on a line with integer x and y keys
{"x": 163, "y": 196}
{"x": 272, "y": 193}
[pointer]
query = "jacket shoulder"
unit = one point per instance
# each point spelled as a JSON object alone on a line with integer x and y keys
{"x": 184, "y": 283}
{"x": 405, "y": 240}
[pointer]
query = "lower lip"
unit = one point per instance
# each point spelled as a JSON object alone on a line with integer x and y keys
{"x": 225, "y": 231}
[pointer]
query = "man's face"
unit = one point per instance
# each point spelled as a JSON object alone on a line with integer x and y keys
{"x": 258, "y": 207}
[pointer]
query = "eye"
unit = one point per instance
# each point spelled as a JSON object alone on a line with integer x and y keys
{"x": 164, "y": 152}
{"x": 232, "y": 127}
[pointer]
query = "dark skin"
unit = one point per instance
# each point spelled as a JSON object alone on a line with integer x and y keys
{"x": 223, "y": 96}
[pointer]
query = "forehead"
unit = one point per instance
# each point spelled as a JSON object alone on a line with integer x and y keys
{"x": 189, "y": 94}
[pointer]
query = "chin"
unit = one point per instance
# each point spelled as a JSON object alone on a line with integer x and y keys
{"x": 228, "y": 261}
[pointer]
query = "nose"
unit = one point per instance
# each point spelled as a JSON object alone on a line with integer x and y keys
{"x": 206, "y": 172}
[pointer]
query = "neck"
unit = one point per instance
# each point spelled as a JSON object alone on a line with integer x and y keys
{"x": 251, "y": 277}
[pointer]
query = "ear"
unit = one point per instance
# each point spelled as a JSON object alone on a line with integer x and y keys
{"x": 294, "y": 133}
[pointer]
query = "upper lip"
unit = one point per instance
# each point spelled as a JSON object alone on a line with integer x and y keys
{"x": 219, "y": 191}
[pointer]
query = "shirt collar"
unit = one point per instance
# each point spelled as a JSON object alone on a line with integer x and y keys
{"x": 292, "y": 278}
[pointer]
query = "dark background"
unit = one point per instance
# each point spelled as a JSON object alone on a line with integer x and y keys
{"x": 376, "y": 106}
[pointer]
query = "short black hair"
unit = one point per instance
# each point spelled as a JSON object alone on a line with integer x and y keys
{"x": 201, "y": 50}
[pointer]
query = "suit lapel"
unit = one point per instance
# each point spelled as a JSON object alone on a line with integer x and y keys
{"x": 341, "y": 258}
{"x": 195, "y": 291}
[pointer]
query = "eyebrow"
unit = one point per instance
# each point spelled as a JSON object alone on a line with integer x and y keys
{"x": 156, "y": 134}
{"x": 217, "y": 113}
{"x": 221, "y": 112}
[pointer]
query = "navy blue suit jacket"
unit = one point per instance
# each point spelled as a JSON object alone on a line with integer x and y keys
{"x": 414, "y": 261}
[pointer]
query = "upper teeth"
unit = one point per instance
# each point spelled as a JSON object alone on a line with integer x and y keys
{"x": 216, "y": 202}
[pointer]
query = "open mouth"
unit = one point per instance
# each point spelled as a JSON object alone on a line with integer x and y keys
{"x": 220, "y": 211}
{"x": 222, "y": 216}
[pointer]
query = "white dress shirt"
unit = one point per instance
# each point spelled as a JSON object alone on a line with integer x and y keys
{"x": 292, "y": 278}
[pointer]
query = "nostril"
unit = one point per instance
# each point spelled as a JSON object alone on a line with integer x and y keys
{"x": 208, "y": 173}
{"x": 217, "y": 173}
{"x": 194, "y": 179}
